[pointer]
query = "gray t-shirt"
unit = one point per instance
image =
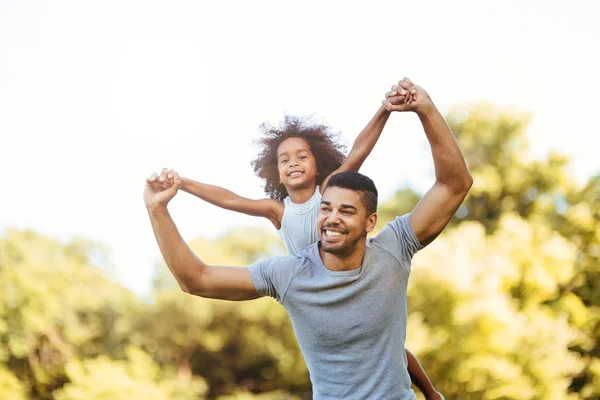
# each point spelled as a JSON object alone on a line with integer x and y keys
{"x": 351, "y": 325}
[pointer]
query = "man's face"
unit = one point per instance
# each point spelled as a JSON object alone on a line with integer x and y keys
{"x": 343, "y": 221}
{"x": 296, "y": 164}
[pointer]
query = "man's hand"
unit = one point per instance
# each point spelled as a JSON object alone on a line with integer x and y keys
{"x": 405, "y": 96}
{"x": 161, "y": 189}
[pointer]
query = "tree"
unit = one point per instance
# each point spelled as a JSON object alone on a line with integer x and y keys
{"x": 505, "y": 178}
{"x": 136, "y": 377}
{"x": 55, "y": 307}
{"x": 478, "y": 315}
{"x": 10, "y": 386}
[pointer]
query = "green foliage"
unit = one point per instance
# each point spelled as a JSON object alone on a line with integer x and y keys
{"x": 55, "y": 307}
{"x": 482, "y": 342}
{"x": 136, "y": 377}
{"x": 402, "y": 202}
{"x": 10, "y": 386}
{"x": 276, "y": 395}
{"x": 505, "y": 178}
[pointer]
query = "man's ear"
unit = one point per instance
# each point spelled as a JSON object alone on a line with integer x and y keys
{"x": 371, "y": 222}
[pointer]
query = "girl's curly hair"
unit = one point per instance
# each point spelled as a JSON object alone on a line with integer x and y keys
{"x": 324, "y": 144}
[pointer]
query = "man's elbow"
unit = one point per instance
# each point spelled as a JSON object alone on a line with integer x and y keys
{"x": 467, "y": 183}
{"x": 193, "y": 287}
{"x": 185, "y": 287}
{"x": 459, "y": 186}
{"x": 462, "y": 189}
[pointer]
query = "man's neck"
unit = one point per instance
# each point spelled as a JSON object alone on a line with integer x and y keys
{"x": 349, "y": 262}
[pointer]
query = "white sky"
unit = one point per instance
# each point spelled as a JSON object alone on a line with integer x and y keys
{"x": 95, "y": 96}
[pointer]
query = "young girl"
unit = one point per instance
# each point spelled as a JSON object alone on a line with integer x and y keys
{"x": 296, "y": 162}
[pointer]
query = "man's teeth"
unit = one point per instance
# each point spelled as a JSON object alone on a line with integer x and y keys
{"x": 332, "y": 233}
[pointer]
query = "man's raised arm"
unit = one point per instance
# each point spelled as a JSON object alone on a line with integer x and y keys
{"x": 452, "y": 177}
{"x": 192, "y": 274}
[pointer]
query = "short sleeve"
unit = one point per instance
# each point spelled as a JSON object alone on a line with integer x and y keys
{"x": 399, "y": 239}
{"x": 272, "y": 276}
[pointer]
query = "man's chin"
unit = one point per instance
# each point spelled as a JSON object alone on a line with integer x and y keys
{"x": 341, "y": 247}
{"x": 333, "y": 249}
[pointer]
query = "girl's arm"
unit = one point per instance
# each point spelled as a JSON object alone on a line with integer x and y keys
{"x": 419, "y": 377}
{"x": 221, "y": 197}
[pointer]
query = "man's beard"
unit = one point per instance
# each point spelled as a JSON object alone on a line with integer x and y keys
{"x": 342, "y": 249}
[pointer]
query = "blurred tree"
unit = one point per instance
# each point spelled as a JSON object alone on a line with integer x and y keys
{"x": 579, "y": 221}
{"x": 402, "y": 202}
{"x": 476, "y": 340}
{"x": 276, "y": 395}
{"x": 506, "y": 179}
{"x": 10, "y": 386}
{"x": 137, "y": 377}
{"x": 56, "y": 306}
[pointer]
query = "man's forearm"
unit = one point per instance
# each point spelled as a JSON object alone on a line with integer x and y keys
{"x": 180, "y": 259}
{"x": 450, "y": 166}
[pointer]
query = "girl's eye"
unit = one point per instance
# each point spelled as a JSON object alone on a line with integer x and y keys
{"x": 284, "y": 161}
{"x": 302, "y": 157}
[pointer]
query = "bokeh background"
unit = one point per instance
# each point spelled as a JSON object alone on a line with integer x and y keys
{"x": 95, "y": 96}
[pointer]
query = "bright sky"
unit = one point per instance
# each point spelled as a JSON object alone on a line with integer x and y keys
{"x": 95, "y": 96}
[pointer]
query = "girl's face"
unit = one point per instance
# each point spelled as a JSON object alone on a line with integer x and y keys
{"x": 296, "y": 164}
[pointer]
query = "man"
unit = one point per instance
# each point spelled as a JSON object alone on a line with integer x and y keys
{"x": 346, "y": 295}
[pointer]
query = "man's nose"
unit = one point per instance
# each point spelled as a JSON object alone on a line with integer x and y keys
{"x": 333, "y": 218}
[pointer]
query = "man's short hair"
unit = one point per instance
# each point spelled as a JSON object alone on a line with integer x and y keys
{"x": 360, "y": 183}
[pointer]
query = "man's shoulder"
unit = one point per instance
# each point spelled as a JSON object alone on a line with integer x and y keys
{"x": 398, "y": 237}
{"x": 399, "y": 223}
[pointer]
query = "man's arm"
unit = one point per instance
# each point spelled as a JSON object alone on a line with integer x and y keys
{"x": 452, "y": 177}
{"x": 364, "y": 144}
{"x": 192, "y": 274}
{"x": 221, "y": 197}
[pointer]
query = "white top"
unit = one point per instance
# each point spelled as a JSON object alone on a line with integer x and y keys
{"x": 299, "y": 223}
